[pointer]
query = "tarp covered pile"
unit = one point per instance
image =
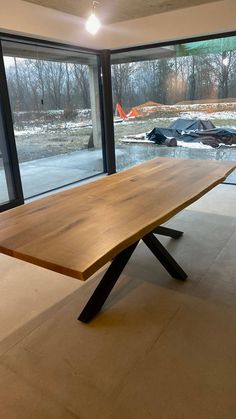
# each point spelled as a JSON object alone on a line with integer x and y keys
{"x": 194, "y": 130}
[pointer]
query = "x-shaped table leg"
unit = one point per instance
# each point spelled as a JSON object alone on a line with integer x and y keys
{"x": 116, "y": 267}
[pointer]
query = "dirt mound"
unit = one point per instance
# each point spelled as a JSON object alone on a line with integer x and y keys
{"x": 145, "y": 109}
{"x": 147, "y": 104}
{"x": 206, "y": 101}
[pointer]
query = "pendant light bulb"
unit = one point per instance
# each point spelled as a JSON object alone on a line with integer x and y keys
{"x": 93, "y": 24}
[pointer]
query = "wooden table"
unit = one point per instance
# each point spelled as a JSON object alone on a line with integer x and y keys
{"x": 77, "y": 231}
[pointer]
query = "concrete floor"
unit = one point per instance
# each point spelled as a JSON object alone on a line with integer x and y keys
{"x": 160, "y": 348}
{"x": 131, "y": 154}
{"x": 39, "y": 176}
{"x": 48, "y": 173}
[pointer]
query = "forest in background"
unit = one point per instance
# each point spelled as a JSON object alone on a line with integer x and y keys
{"x": 170, "y": 81}
{"x": 36, "y": 85}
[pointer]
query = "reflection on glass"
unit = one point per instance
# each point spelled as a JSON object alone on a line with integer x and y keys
{"x": 7, "y": 190}
{"x": 4, "y": 196}
{"x": 153, "y": 88}
{"x": 54, "y": 97}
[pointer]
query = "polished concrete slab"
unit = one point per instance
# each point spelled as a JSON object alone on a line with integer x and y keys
{"x": 19, "y": 400}
{"x": 29, "y": 295}
{"x": 45, "y": 174}
{"x": 39, "y": 176}
{"x": 189, "y": 372}
{"x": 160, "y": 348}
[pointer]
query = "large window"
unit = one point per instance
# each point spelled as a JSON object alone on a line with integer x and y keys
{"x": 54, "y": 96}
{"x": 10, "y": 185}
{"x": 9, "y": 195}
{"x": 56, "y": 125}
{"x": 4, "y": 195}
{"x": 188, "y": 89}
{"x": 6, "y": 184}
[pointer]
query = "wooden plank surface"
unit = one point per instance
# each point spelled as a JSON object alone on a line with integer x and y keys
{"x": 75, "y": 232}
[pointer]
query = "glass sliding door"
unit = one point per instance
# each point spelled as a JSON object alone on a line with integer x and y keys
{"x": 10, "y": 184}
{"x": 9, "y": 195}
{"x": 185, "y": 91}
{"x": 6, "y": 182}
{"x": 55, "y": 102}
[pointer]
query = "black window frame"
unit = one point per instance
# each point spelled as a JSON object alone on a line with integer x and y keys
{"x": 13, "y": 178}
{"x": 175, "y": 42}
{"x": 105, "y": 90}
{"x": 103, "y": 59}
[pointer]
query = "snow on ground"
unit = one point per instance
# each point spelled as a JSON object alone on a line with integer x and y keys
{"x": 53, "y": 125}
{"x": 52, "y": 128}
{"x": 193, "y": 145}
{"x": 29, "y": 131}
{"x": 80, "y": 112}
{"x": 213, "y": 115}
{"x": 137, "y": 136}
{"x": 139, "y": 140}
{"x": 205, "y": 106}
{"x": 39, "y": 125}
{"x": 142, "y": 139}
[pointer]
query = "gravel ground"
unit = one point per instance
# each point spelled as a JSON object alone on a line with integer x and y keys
{"x": 62, "y": 140}
{"x": 37, "y": 146}
{"x": 59, "y": 139}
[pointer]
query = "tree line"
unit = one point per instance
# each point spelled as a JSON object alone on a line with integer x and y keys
{"x": 36, "y": 85}
{"x": 46, "y": 85}
{"x": 169, "y": 81}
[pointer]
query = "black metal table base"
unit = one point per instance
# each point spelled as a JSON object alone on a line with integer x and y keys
{"x": 164, "y": 257}
{"x": 170, "y": 232}
{"x": 105, "y": 286}
{"x": 116, "y": 267}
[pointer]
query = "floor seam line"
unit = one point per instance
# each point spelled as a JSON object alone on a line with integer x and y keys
{"x": 165, "y": 327}
{"x": 149, "y": 349}
{"x": 49, "y": 317}
{"x": 38, "y": 389}
{"x": 218, "y": 255}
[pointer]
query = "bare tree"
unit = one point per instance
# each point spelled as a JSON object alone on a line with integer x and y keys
{"x": 82, "y": 83}
{"x": 223, "y": 68}
{"x": 121, "y": 81}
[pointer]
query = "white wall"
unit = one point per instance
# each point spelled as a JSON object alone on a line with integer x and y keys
{"x": 29, "y": 19}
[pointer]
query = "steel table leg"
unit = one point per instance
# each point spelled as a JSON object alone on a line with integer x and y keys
{"x": 170, "y": 232}
{"x": 105, "y": 286}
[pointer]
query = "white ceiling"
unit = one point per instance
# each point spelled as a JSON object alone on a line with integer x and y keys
{"x": 111, "y": 11}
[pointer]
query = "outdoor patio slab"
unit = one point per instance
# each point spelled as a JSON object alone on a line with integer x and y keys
{"x": 39, "y": 176}
{"x": 45, "y": 174}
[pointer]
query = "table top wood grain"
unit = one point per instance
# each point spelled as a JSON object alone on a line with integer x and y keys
{"x": 77, "y": 231}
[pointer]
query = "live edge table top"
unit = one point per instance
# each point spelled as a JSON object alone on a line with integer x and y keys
{"x": 77, "y": 231}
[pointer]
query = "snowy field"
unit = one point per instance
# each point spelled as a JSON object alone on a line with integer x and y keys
{"x": 41, "y": 135}
{"x": 134, "y": 147}
{"x": 53, "y": 151}
{"x": 45, "y": 134}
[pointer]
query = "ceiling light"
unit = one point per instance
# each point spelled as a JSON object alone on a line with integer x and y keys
{"x": 93, "y": 23}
